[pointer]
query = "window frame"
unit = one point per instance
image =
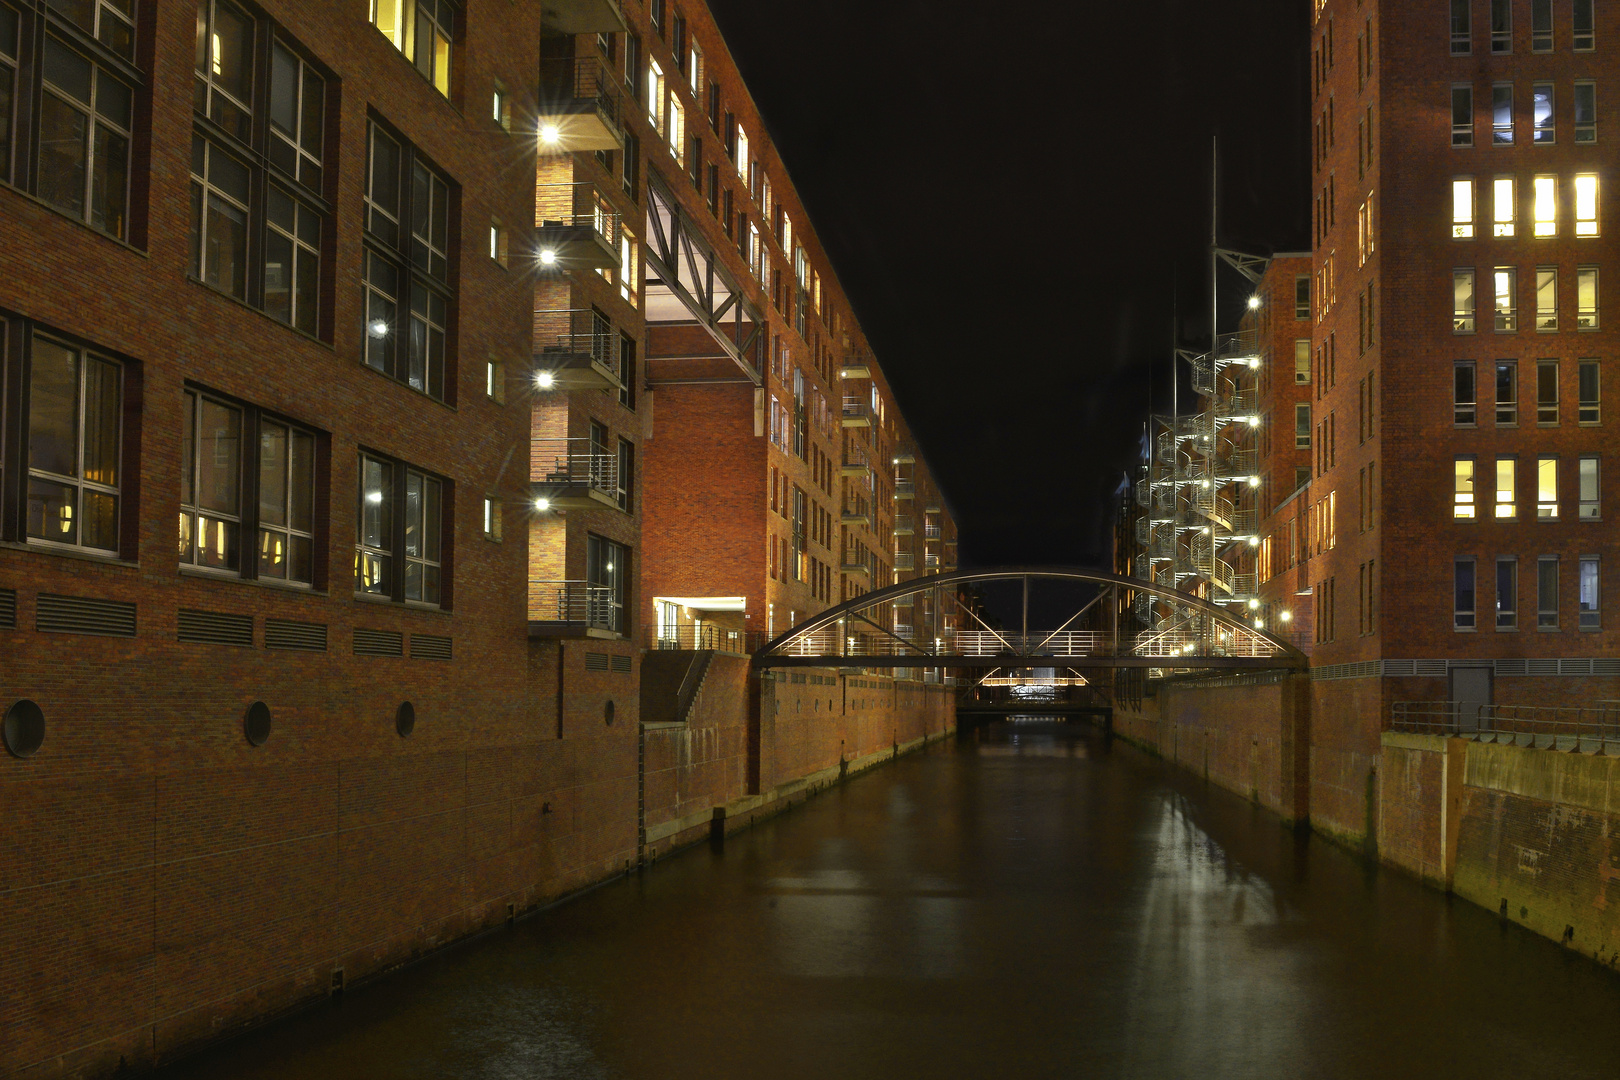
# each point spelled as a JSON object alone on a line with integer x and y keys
{"x": 1464, "y": 616}
{"x": 1547, "y": 592}
{"x": 1589, "y": 618}
{"x": 404, "y": 38}
{"x": 1460, "y": 407}
{"x": 1589, "y": 409}
{"x": 1589, "y": 491}
{"x": 1507, "y": 616}
{"x": 1502, "y": 102}
{"x": 1464, "y": 488}
{"x": 1547, "y": 487}
{"x": 396, "y": 557}
{"x": 1464, "y": 320}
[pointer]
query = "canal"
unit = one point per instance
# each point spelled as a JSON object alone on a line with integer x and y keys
{"x": 1036, "y": 902}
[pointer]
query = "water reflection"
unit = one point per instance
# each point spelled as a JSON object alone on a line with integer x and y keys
{"x": 1032, "y": 902}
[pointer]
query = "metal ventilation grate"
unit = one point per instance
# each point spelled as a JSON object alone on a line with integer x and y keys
{"x": 84, "y": 615}
{"x": 1603, "y": 666}
{"x": 430, "y": 647}
{"x": 378, "y": 642}
{"x": 621, "y": 665}
{"x": 301, "y": 636}
{"x": 8, "y": 609}
{"x": 596, "y": 661}
{"x": 215, "y": 628}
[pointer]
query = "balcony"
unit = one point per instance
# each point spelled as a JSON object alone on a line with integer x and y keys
{"x": 582, "y": 16}
{"x": 856, "y": 513}
{"x": 571, "y": 609}
{"x": 905, "y": 489}
{"x": 931, "y": 530}
{"x": 578, "y": 230}
{"x": 856, "y": 367}
{"x": 856, "y": 562}
{"x": 855, "y": 463}
{"x": 905, "y": 457}
{"x": 903, "y": 525}
{"x": 857, "y": 412}
{"x": 905, "y": 560}
{"x": 581, "y": 100}
{"x": 573, "y": 474}
{"x": 575, "y": 350}
{"x": 930, "y": 561}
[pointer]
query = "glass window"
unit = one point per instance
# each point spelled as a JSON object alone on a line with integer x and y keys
{"x": 84, "y": 128}
{"x": 1465, "y": 394}
{"x": 108, "y": 21}
{"x": 1461, "y": 28}
{"x": 1462, "y": 301}
{"x": 8, "y": 85}
{"x": 75, "y": 439}
{"x": 1463, "y": 505}
{"x": 1586, "y": 112}
{"x": 210, "y": 484}
{"x": 399, "y": 542}
{"x": 1506, "y": 490}
{"x": 607, "y": 574}
{"x": 297, "y": 129}
{"x": 626, "y": 472}
{"x": 1463, "y": 594}
{"x": 1502, "y": 114}
{"x": 492, "y": 518}
{"x": 1507, "y": 593}
{"x": 1545, "y": 209}
{"x": 1547, "y": 592}
{"x": 1302, "y": 426}
{"x": 1547, "y": 488}
{"x": 1462, "y": 209}
{"x": 1501, "y": 26}
{"x": 1586, "y": 204}
{"x": 1591, "y": 497}
{"x": 1302, "y": 360}
{"x": 1591, "y": 393}
{"x": 1546, "y": 298}
{"x": 627, "y": 372}
{"x": 1586, "y": 298}
{"x": 286, "y": 503}
{"x": 1502, "y": 204}
{"x": 1462, "y": 116}
{"x": 1541, "y": 26}
{"x": 1543, "y": 129}
{"x": 422, "y": 537}
{"x": 1591, "y": 594}
{"x": 374, "y": 545}
{"x": 1505, "y": 279}
{"x": 219, "y": 218}
{"x": 223, "y": 84}
{"x": 423, "y": 30}
{"x": 1302, "y": 295}
{"x": 1582, "y": 24}
{"x": 1547, "y": 392}
{"x": 1507, "y": 392}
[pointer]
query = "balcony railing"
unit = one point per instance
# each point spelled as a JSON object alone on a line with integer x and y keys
{"x": 561, "y": 464}
{"x": 575, "y": 349}
{"x": 577, "y": 228}
{"x": 689, "y": 636}
{"x": 903, "y": 525}
{"x": 857, "y": 412}
{"x": 905, "y": 489}
{"x": 857, "y": 561}
{"x": 855, "y": 462}
{"x": 905, "y": 560}
{"x": 931, "y": 530}
{"x": 581, "y": 106}
{"x": 577, "y": 602}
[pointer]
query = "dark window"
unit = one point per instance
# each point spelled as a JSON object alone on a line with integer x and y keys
{"x": 1465, "y": 395}
{"x": 627, "y": 372}
{"x": 632, "y": 65}
{"x": 66, "y": 75}
{"x": 627, "y": 474}
{"x": 269, "y": 257}
{"x": 632, "y": 166}
{"x": 656, "y": 16}
{"x": 1461, "y": 28}
{"x": 1302, "y": 296}
{"x": 400, "y": 543}
{"x": 607, "y": 574}
{"x": 64, "y": 481}
{"x": 714, "y": 107}
{"x": 405, "y": 265}
{"x": 246, "y": 474}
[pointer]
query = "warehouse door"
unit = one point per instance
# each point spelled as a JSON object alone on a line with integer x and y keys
{"x": 1470, "y": 694}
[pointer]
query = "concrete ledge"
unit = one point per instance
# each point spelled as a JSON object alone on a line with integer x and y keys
{"x": 1401, "y": 740}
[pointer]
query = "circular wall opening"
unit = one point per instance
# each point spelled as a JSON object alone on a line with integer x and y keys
{"x": 405, "y": 719}
{"x": 256, "y": 724}
{"x": 24, "y": 728}
{"x": 607, "y": 711}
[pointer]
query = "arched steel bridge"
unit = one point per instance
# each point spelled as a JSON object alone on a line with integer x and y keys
{"x": 1186, "y": 632}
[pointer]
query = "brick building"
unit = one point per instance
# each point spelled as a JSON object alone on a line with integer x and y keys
{"x": 330, "y": 477}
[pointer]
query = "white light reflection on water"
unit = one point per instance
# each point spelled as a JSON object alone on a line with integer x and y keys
{"x": 1218, "y": 984}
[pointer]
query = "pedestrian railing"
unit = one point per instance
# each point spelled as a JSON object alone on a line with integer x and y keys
{"x": 1593, "y": 728}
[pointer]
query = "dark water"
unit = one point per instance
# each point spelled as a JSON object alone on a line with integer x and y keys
{"x": 1035, "y": 904}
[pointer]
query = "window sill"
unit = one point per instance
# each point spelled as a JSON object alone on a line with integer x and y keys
{"x": 1464, "y": 630}
{"x": 260, "y": 312}
{"x": 80, "y": 222}
{"x": 404, "y": 605}
{"x": 407, "y": 387}
{"x": 105, "y": 559}
{"x": 198, "y": 573}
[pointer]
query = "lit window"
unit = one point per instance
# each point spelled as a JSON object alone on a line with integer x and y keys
{"x": 492, "y": 518}
{"x": 655, "y": 95}
{"x": 1547, "y": 592}
{"x": 75, "y": 411}
{"x": 1591, "y": 617}
{"x": 742, "y": 153}
{"x": 1591, "y": 393}
{"x": 398, "y": 542}
{"x": 1505, "y": 279}
{"x": 423, "y": 31}
{"x": 1302, "y": 426}
{"x": 1461, "y": 28}
{"x": 1541, "y": 25}
{"x": 1463, "y": 594}
{"x": 677, "y": 125}
{"x": 1502, "y": 114}
{"x": 1547, "y": 298}
{"x": 1507, "y": 392}
{"x": 497, "y": 108}
{"x": 1462, "y": 303}
{"x": 1586, "y": 298}
{"x": 1547, "y": 488}
{"x": 1506, "y": 494}
{"x": 1591, "y": 503}
{"x": 1462, "y": 209}
{"x": 1465, "y": 394}
{"x": 495, "y": 381}
{"x": 1582, "y": 22}
{"x": 1547, "y": 392}
{"x": 1463, "y": 506}
{"x": 1585, "y": 112}
{"x": 1545, "y": 210}
{"x": 1462, "y": 116}
{"x": 1502, "y": 205}
{"x": 1542, "y": 126}
{"x": 1302, "y": 360}
{"x": 497, "y": 243}
{"x": 1501, "y": 26}
{"x": 1507, "y": 593}
{"x": 1586, "y": 204}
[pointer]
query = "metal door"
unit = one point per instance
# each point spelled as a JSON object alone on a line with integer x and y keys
{"x": 1470, "y": 693}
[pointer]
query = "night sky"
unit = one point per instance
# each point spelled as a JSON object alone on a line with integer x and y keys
{"x": 1012, "y": 193}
